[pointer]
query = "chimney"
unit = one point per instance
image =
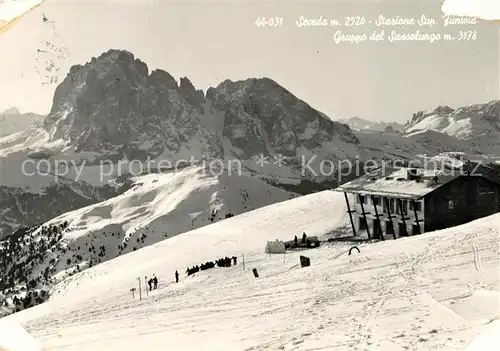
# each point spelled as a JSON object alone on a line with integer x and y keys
{"x": 413, "y": 174}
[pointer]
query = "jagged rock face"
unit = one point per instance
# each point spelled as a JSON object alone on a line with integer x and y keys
{"x": 440, "y": 111}
{"x": 263, "y": 117}
{"x": 114, "y": 106}
{"x": 489, "y": 112}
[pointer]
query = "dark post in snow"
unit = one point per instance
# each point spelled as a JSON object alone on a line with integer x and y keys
{"x": 140, "y": 291}
{"x": 133, "y": 292}
{"x": 304, "y": 261}
{"x": 255, "y": 273}
{"x": 243, "y": 261}
{"x": 146, "y": 285}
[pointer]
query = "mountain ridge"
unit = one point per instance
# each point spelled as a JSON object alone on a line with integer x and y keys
{"x": 465, "y": 122}
{"x": 12, "y": 121}
{"x": 359, "y": 124}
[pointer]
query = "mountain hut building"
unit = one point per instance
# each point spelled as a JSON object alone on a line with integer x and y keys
{"x": 400, "y": 202}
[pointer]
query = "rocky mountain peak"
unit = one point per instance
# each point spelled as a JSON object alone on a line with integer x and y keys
{"x": 13, "y": 121}
{"x": 439, "y": 111}
{"x": 259, "y": 109}
{"x": 193, "y": 96}
{"x": 112, "y": 100}
{"x": 113, "y": 105}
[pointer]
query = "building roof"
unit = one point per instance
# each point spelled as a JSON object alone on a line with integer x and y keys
{"x": 395, "y": 182}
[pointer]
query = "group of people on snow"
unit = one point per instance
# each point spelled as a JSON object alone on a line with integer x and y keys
{"x": 221, "y": 262}
{"x": 303, "y": 241}
{"x": 153, "y": 283}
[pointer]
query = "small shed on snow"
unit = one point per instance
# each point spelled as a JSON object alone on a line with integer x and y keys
{"x": 275, "y": 247}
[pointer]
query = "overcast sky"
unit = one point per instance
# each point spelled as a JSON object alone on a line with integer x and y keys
{"x": 209, "y": 42}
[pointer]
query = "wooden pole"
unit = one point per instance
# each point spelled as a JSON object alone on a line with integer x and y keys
{"x": 140, "y": 289}
{"x": 400, "y": 203}
{"x": 146, "y": 285}
{"x": 416, "y": 216}
{"x": 377, "y": 221}
{"x": 350, "y": 214}
{"x": 243, "y": 261}
{"x": 366, "y": 221}
{"x": 390, "y": 217}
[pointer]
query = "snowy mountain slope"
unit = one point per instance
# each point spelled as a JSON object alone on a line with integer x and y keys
{"x": 433, "y": 291}
{"x": 428, "y": 142}
{"x": 113, "y": 109}
{"x": 12, "y": 121}
{"x": 360, "y": 124}
{"x": 465, "y": 122}
{"x": 156, "y": 207}
{"x": 170, "y": 204}
{"x": 20, "y": 208}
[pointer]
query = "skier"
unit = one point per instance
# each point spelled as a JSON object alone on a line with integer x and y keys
{"x": 176, "y": 276}
{"x": 150, "y": 283}
{"x": 155, "y": 282}
{"x": 296, "y": 240}
{"x": 304, "y": 236}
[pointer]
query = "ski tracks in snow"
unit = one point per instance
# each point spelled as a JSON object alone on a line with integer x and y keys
{"x": 477, "y": 256}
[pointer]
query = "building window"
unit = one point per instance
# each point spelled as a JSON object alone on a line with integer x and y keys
{"x": 362, "y": 224}
{"x": 484, "y": 190}
{"x": 389, "y": 229}
{"x": 361, "y": 199}
{"x": 418, "y": 206}
{"x": 450, "y": 205}
{"x": 404, "y": 204}
{"x": 391, "y": 206}
{"x": 376, "y": 201}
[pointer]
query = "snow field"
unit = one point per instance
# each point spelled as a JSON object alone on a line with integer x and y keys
{"x": 433, "y": 291}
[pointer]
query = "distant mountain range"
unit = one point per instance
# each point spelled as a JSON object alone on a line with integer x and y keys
{"x": 12, "y": 121}
{"x": 360, "y": 124}
{"x": 465, "y": 122}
